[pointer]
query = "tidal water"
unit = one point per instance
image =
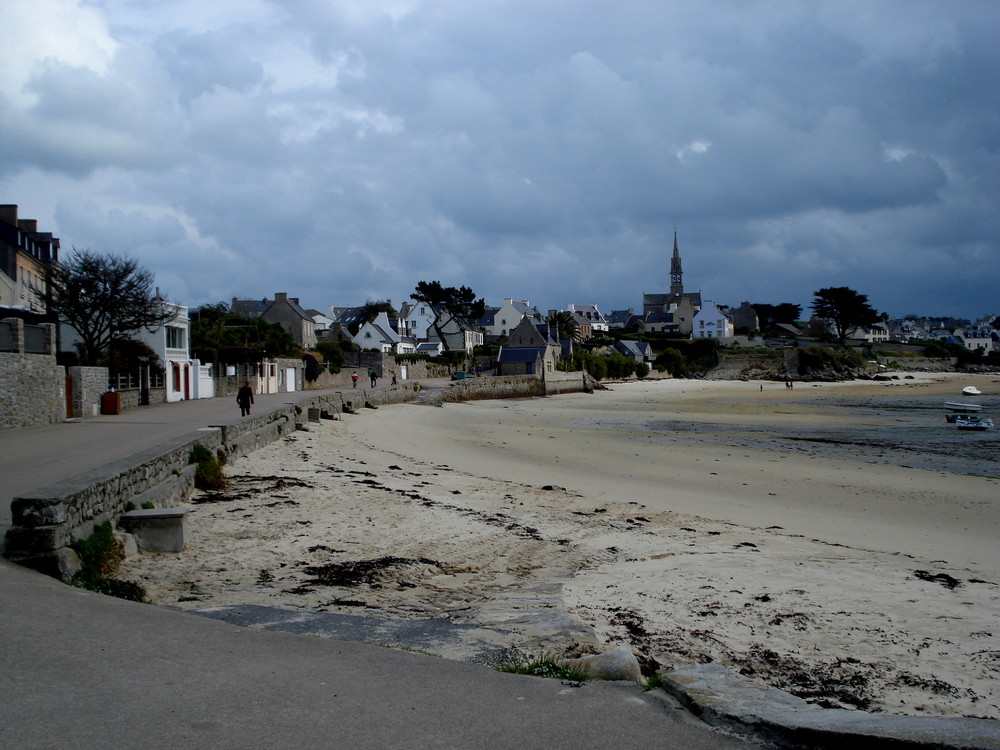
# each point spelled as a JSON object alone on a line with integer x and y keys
{"x": 891, "y": 430}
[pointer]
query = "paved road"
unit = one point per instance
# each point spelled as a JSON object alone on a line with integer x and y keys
{"x": 82, "y": 670}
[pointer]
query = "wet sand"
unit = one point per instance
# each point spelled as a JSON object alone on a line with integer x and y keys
{"x": 685, "y": 520}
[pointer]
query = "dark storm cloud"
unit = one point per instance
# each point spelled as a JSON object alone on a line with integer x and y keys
{"x": 546, "y": 151}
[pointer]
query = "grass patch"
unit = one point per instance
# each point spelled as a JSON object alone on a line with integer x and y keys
{"x": 538, "y": 665}
{"x": 101, "y": 554}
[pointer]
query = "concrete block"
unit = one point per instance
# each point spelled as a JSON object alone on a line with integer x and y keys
{"x": 156, "y": 529}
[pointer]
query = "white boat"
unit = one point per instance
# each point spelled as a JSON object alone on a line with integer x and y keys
{"x": 971, "y": 390}
{"x": 967, "y": 422}
{"x": 962, "y": 407}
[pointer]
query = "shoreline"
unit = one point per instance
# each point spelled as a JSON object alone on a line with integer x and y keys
{"x": 561, "y": 524}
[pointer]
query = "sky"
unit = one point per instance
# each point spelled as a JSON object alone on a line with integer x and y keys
{"x": 545, "y": 150}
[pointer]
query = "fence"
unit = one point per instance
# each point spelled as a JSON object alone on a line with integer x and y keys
{"x": 132, "y": 381}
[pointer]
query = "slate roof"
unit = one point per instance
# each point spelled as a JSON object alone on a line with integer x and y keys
{"x": 488, "y": 317}
{"x": 633, "y": 348}
{"x": 250, "y": 307}
{"x": 521, "y": 354}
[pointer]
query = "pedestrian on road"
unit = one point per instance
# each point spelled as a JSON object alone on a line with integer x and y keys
{"x": 354, "y": 380}
{"x": 244, "y": 397}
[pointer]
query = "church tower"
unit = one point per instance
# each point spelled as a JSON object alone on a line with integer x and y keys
{"x": 676, "y": 274}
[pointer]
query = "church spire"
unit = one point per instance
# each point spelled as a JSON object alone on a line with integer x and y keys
{"x": 676, "y": 274}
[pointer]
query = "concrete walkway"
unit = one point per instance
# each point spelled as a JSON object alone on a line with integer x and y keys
{"x": 82, "y": 670}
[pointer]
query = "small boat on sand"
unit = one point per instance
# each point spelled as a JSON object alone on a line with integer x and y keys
{"x": 965, "y": 408}
{"x": 971, "y": 422}
{"x": 971, "y": 390}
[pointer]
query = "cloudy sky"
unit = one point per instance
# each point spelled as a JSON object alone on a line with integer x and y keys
{"x": 343, "y": 150}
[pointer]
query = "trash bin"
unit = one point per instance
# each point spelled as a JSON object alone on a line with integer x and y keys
{"x": 111, "y": 402}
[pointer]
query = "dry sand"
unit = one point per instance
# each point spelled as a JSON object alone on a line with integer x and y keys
{"x": 660, "y": 516}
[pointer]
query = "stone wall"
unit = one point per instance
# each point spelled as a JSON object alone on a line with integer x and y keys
{"x": 32, "y": 390}
{"x": 569, "y": 382}
{"x": 504, "y": 386}
{"x": 88, "y": 385}
{"x": 47, "y": 520}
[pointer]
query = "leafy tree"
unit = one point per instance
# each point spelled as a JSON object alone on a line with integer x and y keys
{"x": 218, "y": 335}
{"x": 845, "y": 308}
{"x": 449, "y": 304}
{"x": 768, "y": 316}
{"x": 103, "y": 297}
{"x": 332, "y": 353}
{"x": 564, "y": 325}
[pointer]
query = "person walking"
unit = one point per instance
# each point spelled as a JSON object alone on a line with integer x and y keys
{"x": 354, "y": 380}
{"x": 244, "y": 397}
{"x": 374, "y": 377}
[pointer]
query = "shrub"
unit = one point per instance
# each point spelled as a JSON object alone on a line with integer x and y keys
{"x": 100, "y": 555}
{"x": 208, "y": 475}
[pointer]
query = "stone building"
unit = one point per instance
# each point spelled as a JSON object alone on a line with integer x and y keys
{"x": 25, "y": 258}
{"x": 286, "y": 312}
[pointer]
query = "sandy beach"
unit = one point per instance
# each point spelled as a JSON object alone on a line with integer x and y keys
{"x": 835, "y": 540}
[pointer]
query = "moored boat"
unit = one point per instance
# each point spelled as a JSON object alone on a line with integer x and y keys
{"x": 972, "y": 422}
{"x": 962, "y": 407}
{"x": 971, "y": 390}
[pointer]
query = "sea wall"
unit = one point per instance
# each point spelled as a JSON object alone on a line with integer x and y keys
{"x": 46, "y": 521}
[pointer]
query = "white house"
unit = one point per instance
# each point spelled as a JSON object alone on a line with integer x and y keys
{"x": 184, "y": 378}
{"x": 973, "y": 338}
{"x": 710, "y": 322}
{"x": 377, "y": 335}
{"x": 873, "y": 334}
{"x": 415, "y": 319}
{"x": 511, "y": 313}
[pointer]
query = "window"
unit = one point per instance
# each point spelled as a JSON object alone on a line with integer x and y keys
{"x": 175, "y": 337}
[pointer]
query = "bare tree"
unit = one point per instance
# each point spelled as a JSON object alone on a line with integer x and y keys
{"x": 102, "y": 297}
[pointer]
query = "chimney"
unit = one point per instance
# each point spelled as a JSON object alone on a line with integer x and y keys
{"x": 28, "y": 225}
{"x": 8, "y": 213}
{"x": 281, "y": 296}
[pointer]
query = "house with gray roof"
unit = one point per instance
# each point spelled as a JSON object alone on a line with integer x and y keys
{"x": 531, "y": 350}
{"x": 508, "y": 315}
{"x": 379, "y": 335}
{"x": 249, "y": 308}
{"x": 639, "y": 351}
{"x": 288, "y": 313}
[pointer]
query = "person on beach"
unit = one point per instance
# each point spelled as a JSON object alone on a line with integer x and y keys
{"x": 373, "y": 376}
{"x": 354, "y": 380}
{"x": 244, "y": 397}
{"x": 394, "y": 378}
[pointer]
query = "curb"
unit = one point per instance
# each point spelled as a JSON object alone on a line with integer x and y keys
{"x": 723, "y": 698}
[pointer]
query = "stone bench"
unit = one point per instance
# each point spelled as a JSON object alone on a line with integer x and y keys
{"x": 156, "y": 529}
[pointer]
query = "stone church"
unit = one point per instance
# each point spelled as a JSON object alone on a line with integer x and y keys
{"x": 675, "y": 310}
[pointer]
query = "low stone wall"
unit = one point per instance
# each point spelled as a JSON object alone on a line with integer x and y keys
{"x": 49, "y": 519}
{"x": 569, "y": 382}
{"x": 503, "y": 386}
{"x": 32, "y": 390}
{"x": 918, "y": 364}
